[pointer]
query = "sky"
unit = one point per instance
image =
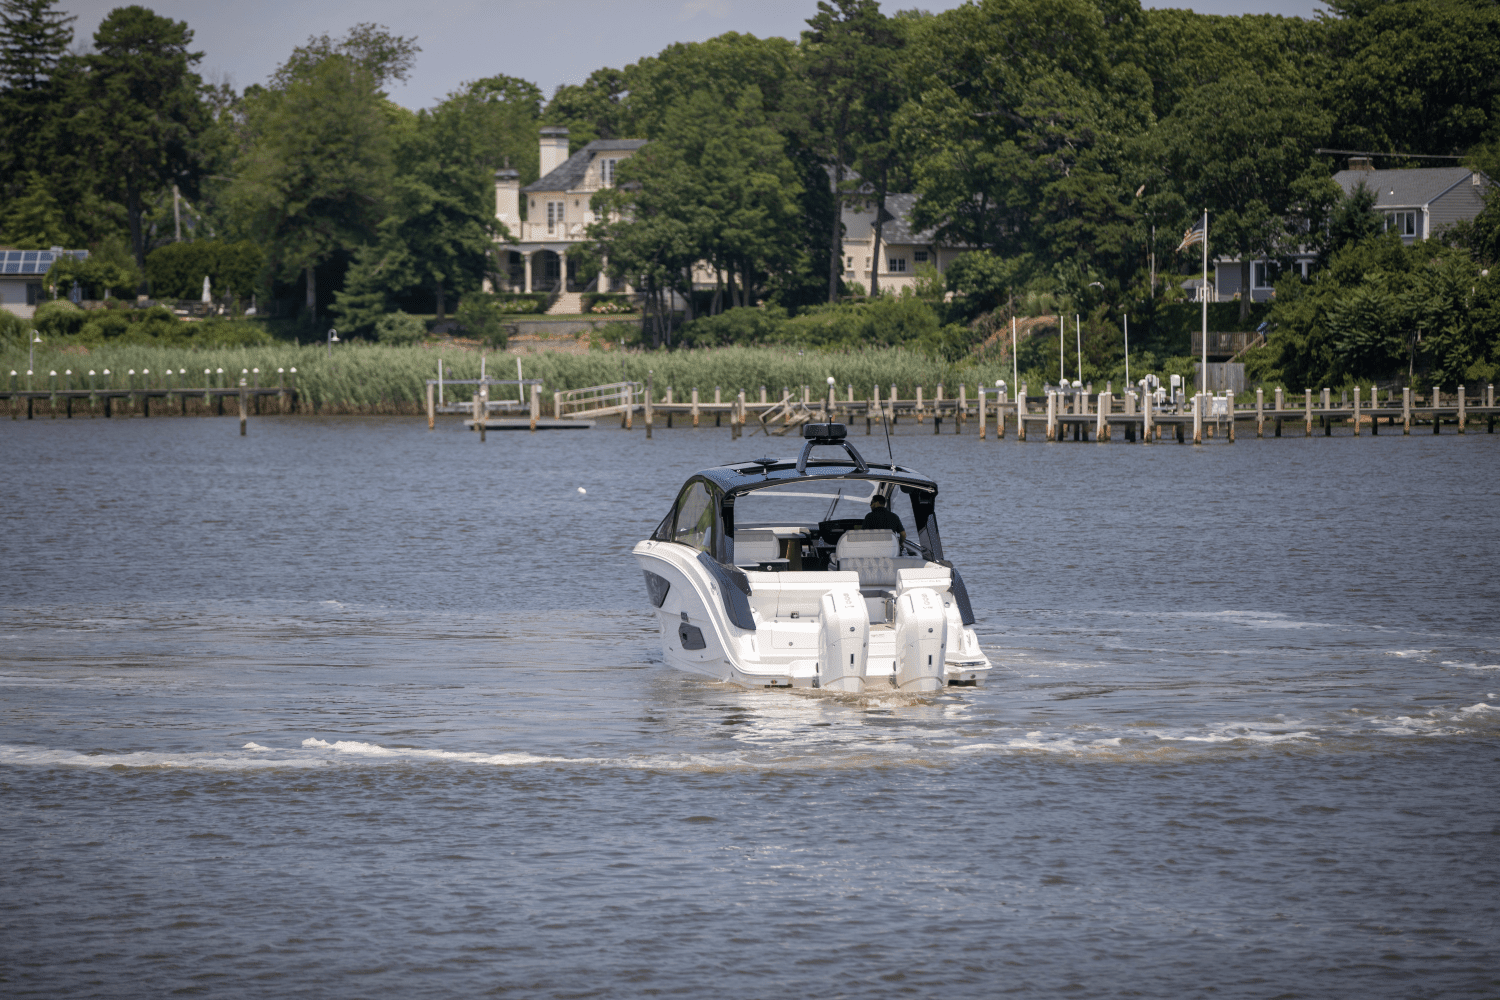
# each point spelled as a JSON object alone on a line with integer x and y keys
{"x": 550, "y": 44}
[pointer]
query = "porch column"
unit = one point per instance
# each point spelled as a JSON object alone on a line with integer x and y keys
{"x": 602, "y": 285}
{"x": 526, "y": 256}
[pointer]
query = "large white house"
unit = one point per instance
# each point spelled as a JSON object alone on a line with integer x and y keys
{"x": 540, "y": 256}
{"x": 557, "y": 214}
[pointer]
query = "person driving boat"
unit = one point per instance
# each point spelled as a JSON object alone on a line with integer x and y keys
{"x": 881, "y": 516}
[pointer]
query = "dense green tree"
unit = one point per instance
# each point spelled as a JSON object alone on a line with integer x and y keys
{"x": 317, "y": 174}
{"x": 141, "y": 116}
{"x": 1243, "y": 149}
{"x": 34, "y": 40}
{"x": 851, "y": 56}
{"x": 1414, "y": 76}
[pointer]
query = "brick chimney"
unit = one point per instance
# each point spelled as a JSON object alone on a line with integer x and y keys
{"x": 508, "y": 200}
{"x": 1361, "y": 163}
{"x": 554, "y": 148}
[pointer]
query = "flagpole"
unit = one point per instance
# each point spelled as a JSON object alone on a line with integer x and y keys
{"x": 1203, "y": 375}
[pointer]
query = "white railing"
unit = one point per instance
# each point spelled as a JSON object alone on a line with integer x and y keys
{"x": 597, "y": 399}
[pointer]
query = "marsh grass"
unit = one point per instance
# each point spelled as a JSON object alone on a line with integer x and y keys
{"x": 377, "y": 378}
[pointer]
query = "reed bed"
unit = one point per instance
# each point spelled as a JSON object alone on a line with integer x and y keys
{"x": 372, "y": 378}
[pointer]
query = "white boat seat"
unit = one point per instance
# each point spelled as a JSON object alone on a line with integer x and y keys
{"x": 757, "y": 547}
{"x": 867, "y": 542}
{"x": 880, "y": 571}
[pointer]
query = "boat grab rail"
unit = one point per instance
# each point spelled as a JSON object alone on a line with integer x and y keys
{"x": 859, "y": 461}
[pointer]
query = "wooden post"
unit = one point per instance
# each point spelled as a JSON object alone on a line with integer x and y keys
{"x": 739, "y": 429}
{"x": 1198, "y": 418}
{"x": 1461, "y": 414}
{"x": 695, "y": 406}
{"x": 875, "y": 402}
{"x": 1000, "y": 403}
{"x": 557, "y": 405}
{"x": 431, "y": 406}
{"x": 1052, "y": 416}
{"x": 1437, "y": 400}
{"x": 1021, "y": 412}
{"x": 919, "y": 404}
{"x": 650, "y": 390}
{"x": 982, "y": 412}
{"x": 244, "y": 406}
{"x": 1307, "y": 400}
{"x": 806, "y": 395}
{"x": 937, "y": 410}
{"x": 828, "y": 412}
{"x": 536, "y": 405}
{"x": 1101, "y": 424}
{"x": 1374, "y": 411}
{"x": 963, "y": 407}
{"x": 1260, "y": 412}
{"x": 1356, "y": 411}
{"x": 1148, "y": 407}
{"x": 1406, "y": 410}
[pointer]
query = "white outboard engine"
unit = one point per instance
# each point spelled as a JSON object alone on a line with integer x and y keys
{"x": 843, "y": 641}
{"x": 921, "y": 641}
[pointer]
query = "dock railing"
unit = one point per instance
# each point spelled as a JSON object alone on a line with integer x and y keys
{"x": 599, "y": 400}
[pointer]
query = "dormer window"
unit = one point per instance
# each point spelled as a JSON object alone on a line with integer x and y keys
{"x": 607, "y": 172}
{"x": 555, "y": 215}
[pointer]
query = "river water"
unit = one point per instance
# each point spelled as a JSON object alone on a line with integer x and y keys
{"x": 351, "y": 709}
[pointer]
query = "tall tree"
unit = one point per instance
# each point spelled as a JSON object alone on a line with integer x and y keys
{"x": 318, "y": 171}
{"x": 34, "y": 40}
{"x": 1243, "y": 150}
{"x": 142, "y": 114}
{"x": 851, "y": 60}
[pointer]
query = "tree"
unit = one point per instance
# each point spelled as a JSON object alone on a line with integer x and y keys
{"x": 142, "y": 114}
{"x": 34, "y": 42}
{"x": 1242, "y": 148}
{"x": 851, "y": 60}
{"x": 317, "y": 174}
{"x": 368, "y": 47}
{"x": 1416, "y": 76}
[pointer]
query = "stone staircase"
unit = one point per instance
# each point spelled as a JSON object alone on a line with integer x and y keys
{"x": 567, "y": 304}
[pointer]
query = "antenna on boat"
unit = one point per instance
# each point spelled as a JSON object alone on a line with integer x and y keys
{"x": 887, "y": 430}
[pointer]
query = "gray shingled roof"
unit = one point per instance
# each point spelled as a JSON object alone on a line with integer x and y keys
{"x": 570, "y": 174}
{"x": 1404, "y": 188}
{"x": 897, "y": 228}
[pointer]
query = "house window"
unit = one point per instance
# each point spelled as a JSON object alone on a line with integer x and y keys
{"x": 1262, "y": 274}
{"x": 607, "y": 172}
{"x": 554, "y": 215}
{"x": 898, "y": 264}
{"x": 921, "y": 256}
{"x": 1402, "y": 223}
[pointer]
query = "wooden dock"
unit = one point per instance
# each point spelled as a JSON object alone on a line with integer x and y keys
{"x": 1058, "y": 415}
{"x": 90, "y": 402}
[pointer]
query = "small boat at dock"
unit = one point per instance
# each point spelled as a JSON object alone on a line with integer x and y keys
{"x": 817, "y": 571}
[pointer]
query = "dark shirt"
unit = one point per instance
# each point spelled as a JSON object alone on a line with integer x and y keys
{"x": 880, "y": 517}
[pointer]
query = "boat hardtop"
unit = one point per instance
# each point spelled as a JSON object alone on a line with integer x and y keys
{"x": 757, "y": 580}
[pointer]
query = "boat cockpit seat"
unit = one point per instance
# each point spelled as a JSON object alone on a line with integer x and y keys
{"x": 758, "y": 548}
{"x": 875, "y": 554}
{"x": 863, "y": 542}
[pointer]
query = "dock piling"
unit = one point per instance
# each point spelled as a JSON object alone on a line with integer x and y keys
{"x": 244, "y": 406}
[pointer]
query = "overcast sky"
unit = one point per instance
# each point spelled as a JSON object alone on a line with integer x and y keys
{"x": 546, "y": 43}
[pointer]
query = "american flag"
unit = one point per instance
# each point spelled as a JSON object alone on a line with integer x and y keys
{"x": 1193, "y": 235}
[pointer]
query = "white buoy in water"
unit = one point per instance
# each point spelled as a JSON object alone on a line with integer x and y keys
{"x": 582, "y": 490}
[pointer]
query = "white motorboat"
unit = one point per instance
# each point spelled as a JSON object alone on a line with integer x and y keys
{"x": 767, "y": 574}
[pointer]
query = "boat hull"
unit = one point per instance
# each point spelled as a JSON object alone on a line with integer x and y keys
{"x": 805, "y": 629}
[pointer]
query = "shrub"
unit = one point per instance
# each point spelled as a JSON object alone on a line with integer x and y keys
{"x": 400, "y": 328}
{"x": 482, "y": 317}
{"x": 58, "y": 318}
{"x": 607, "y": 303}
{"x": 176, "y": 271}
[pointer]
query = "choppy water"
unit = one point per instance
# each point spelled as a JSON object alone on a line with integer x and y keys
{"x": 348, "y": 709}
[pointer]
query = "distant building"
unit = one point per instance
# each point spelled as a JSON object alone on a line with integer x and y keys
{"x": 21, "y": 277}
{"x": 557, "y": 213}
{"x": 902, "y": 250}
{"x": 1415, "y": 203}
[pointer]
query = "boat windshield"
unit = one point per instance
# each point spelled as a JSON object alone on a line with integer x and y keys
{"x": 787, "y": 505}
